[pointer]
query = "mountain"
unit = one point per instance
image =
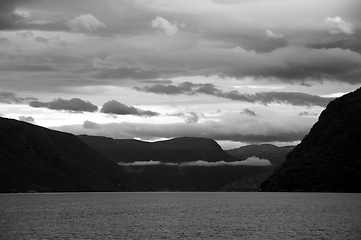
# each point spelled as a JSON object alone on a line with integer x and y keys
{"x": 329, "y": 156}
{"x": 163, "y": 177}
{"x": 276, "y": 155}
{"x": 33, "y": 158}
{"x": 177, "y": 150}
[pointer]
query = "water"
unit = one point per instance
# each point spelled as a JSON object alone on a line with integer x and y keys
{"x": 180, "y": 216}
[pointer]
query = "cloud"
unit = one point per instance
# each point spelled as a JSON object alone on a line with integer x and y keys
{"x": 292, "y": 98}
{"x": 85, "y": 22}
{"x": 126, "y": 73}
{"x": 291, "y": 63}
{"x": 159, "y": 81}
{"x": 73, "y": 105}
{"x": 118, "y": 108}
{"x": 27, "y": 68}
{"x": 273, "y": 35}
{"x": 165, "y": 26}
{"x": 91, "y": 125}
{"x": 10, "y": 97}
{"x": 11, "y": 18}
{"x": 252, "y": 161}
{"x": 267, "y": 126}
{"x": 249, "y": 112}
{"x": 338, "y": 25}
{"x": 27, "y": 119}
{"x": 308, "y": 114}
{"x": 192, "y": 117}
{"x": 8, "y": 16}
{"x": 4, "y": 41}
{"x": 42, "y": 40}
{"x": 189, "y": 117}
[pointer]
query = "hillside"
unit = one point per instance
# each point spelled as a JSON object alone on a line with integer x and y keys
{"x": 329, "y": 157}
{"x": 33, "y": 158}
{"x": 177, "y": 150}
{"x": 276, "y": 155}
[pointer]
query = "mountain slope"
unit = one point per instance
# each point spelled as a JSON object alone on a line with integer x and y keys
{"x": 176, "y": 150}
{"x": 276, "y": 155}
{"x": 33, "y": 158}
{"x": 329, "y": 157}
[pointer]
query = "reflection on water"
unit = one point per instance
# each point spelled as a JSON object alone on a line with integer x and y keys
{"x": 180, "y": 216}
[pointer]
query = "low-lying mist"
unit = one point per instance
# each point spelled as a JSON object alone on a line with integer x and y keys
{"x": 251, "y": 161}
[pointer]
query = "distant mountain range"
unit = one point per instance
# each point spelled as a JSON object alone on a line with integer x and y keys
{"x": 329, "y": 157}
{"x": 177, "y": 150}
{"x": 37, "y": 159}
{"x": 161, "y": 177}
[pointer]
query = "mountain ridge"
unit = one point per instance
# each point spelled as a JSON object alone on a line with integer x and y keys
{"x": 176, "y": 150}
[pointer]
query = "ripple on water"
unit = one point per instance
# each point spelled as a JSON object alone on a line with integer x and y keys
{"x": 180, "y": 216}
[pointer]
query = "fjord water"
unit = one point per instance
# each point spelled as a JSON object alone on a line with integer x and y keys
{"x": 180, "y": 216}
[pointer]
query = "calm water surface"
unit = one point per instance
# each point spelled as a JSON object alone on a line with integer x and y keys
{"x": 180, "y": 216}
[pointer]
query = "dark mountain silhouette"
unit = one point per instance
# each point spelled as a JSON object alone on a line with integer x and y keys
{"x": 276, "y": 155}
{"x": 329, "y": 157}
{"x": 33, "y": 158}
{"x": 177, "y": 150}
{"x": 182, "y": 178}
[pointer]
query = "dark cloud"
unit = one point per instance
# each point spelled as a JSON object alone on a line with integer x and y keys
{"x": 8, "y": 18}
{"x": 249, "y": 112}
{"x": 91, "y": 125}
{"x": 27, "y": 119}
{"x": 292, "y": 98}
{"x": 10, "y": 97}
{"x": 162, "y": 89}
{"x": 12, "y": 20}
{"x": 289, "y": 63}
{"x": 118, "y": 108}
{"x": 351, "y": 42}
{"x": 73, "y": 105}
{"x": 301, "y": 63}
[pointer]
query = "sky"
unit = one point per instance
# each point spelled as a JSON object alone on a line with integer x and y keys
{"x": 237, "y": 71}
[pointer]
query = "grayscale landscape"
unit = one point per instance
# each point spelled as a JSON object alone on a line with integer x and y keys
{"x": 177, "y": 119}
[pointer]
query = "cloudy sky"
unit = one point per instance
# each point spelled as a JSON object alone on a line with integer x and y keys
{"x": 237, "y": 71}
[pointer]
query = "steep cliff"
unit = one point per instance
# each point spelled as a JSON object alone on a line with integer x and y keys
{"x": 329, "y": 157}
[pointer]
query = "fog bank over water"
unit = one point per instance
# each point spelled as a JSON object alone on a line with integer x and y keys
{"x": 252, "y": 161}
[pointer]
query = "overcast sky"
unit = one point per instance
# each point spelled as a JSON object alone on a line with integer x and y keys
{"x": 237, "y": 71}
